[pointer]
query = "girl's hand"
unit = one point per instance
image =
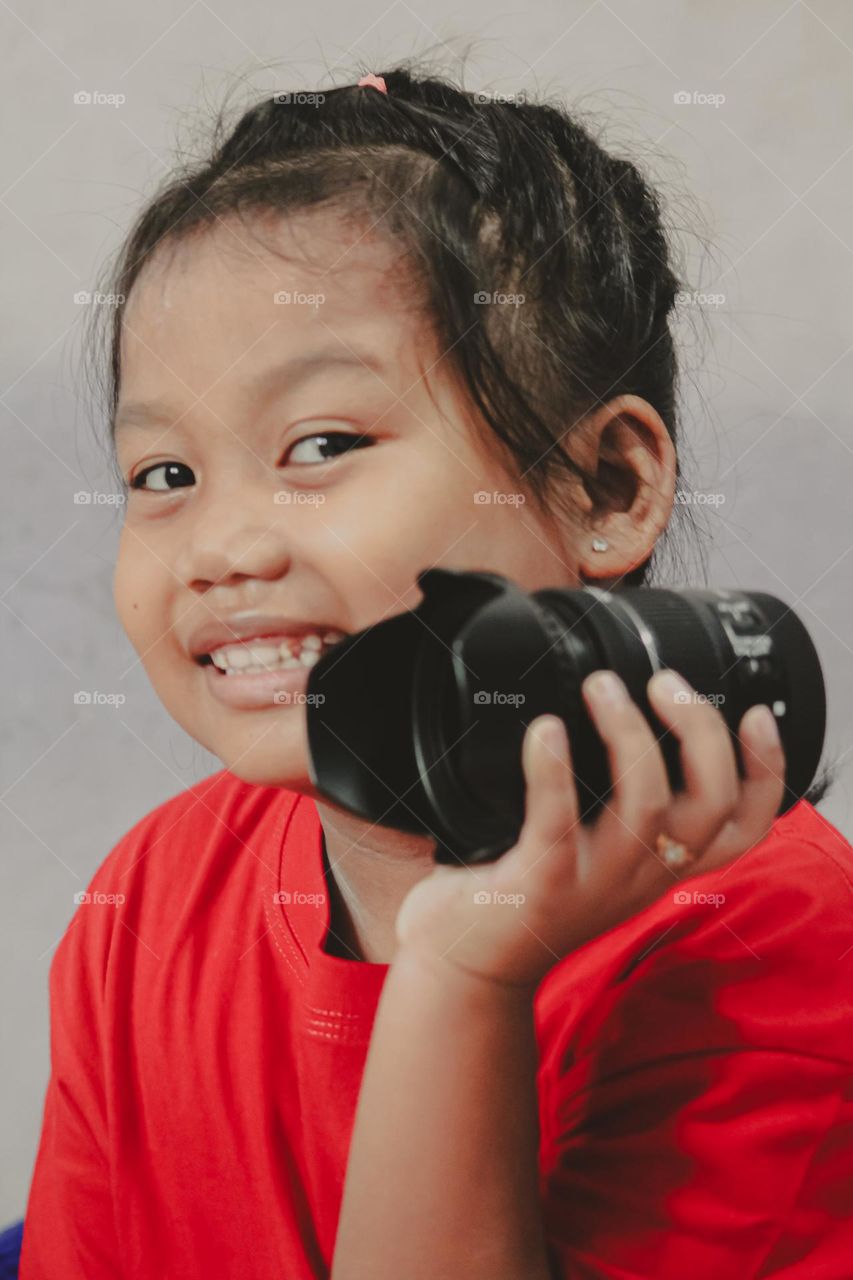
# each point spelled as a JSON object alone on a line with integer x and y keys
{"x": 564, "y": 883}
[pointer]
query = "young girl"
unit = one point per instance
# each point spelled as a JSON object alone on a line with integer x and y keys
{"x": 284, "y": 1042}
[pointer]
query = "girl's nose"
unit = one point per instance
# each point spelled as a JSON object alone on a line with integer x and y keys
{"x": 223, "y": 548}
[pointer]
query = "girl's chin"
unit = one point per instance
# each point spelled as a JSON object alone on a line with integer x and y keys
{"x": 265, "y": 751}
{"x": 269, "y": 762}
{"x": 263, "y": 773}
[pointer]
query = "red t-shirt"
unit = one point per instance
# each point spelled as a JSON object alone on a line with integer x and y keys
{"x": 695, "y": 1084}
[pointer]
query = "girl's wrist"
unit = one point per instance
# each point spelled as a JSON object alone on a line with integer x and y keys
{"x": 441, "y": 971}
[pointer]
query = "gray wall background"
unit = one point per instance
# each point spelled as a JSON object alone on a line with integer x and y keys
{"x": 758, "y": 169}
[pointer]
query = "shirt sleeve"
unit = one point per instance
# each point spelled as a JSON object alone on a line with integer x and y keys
{"x": 69, "y": 1226}
{"x": 700, "y": 1095}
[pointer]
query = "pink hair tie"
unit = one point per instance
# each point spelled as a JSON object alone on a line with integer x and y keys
{"x": 375, "y": 82}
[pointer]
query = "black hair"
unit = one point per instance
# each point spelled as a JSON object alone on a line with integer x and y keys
{"x": 483, "y": 194}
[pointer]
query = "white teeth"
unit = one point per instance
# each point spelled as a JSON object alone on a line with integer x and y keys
{"x": 256, "y": 655}
{"x": 265, "y": 655}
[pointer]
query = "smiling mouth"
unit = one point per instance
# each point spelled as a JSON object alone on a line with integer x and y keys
{"x": 265, "y": 655}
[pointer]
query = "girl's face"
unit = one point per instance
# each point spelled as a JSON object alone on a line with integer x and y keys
{"x": 259, "y": 515}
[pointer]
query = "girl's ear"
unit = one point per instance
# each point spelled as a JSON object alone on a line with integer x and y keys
{"x": 625, "y": 444}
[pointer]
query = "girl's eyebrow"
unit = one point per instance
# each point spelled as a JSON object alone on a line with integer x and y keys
{"x": 149, "y": 414}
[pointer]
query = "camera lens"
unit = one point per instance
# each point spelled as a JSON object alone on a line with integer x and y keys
{"x": 431, "y": 706}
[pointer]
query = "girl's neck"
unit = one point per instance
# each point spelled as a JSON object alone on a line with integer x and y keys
{"x": 369, "y": 870}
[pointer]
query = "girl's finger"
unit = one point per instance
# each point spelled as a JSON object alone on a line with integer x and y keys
{"x": 551, "y": 802}
{"x": 640, "y": 787}
{"x": 761, "y": 790}
{"x": 711, "y": 784}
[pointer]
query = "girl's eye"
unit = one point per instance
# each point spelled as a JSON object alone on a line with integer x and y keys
{"x": 337, "y": 442}
{"x": 177, "y": 474}
{"x": 173, "y": 472}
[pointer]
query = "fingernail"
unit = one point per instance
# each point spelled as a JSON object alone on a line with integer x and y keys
{"x": 764, "y": 723}
{"x": 606, "y": 686}
{"x": 671, "y": 682}
{"x": 552, "y": 734}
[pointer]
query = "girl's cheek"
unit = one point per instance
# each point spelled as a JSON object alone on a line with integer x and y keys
{"x": 135, "y": 594}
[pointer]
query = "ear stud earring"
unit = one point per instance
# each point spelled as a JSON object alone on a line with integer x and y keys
{"x": 600, "y": 544}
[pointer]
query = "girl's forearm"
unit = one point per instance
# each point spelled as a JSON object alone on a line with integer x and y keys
{"x": 442, "y": 1177}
